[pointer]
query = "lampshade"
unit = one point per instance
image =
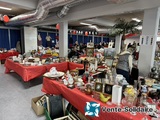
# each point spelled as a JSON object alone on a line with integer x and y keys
{"x": 5, "y": 18}
{"x": 86, "y": 33}
{"x": 57, "y": 26}
{"x": 74, "y": 31}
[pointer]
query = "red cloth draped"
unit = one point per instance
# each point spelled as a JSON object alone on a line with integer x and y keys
{"x": 73, "y": 66}
{"x": 26, "y": 72}
{"x": 79, "y": 99}
{"x": 59, "y": 66}
{"x": 3, "y": 56}
{"x": 30, "y": 72}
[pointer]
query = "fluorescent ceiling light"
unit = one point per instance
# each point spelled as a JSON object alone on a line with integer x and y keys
{"x": 5, "y": 8}
{"x": 98, "y": 29}
{"x": 136, "y": 19}
{"x": 93, "y": 26}
{"x": 85, "y": 24}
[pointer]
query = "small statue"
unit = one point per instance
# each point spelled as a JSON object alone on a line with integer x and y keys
{"x": 144, "y": 89}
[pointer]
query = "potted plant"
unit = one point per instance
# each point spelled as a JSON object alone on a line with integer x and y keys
{"x": 125, "y": 27}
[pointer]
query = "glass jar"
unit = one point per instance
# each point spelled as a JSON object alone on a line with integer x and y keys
{"x": 143, "y": 99}
{"x": 130, "y": 96}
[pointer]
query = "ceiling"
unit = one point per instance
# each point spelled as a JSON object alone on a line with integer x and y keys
{"x": 106, "y": 21}
{"x": 15, "y": 10}
{"x": 102, "y": 19}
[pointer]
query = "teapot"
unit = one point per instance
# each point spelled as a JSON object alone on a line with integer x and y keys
{"x": 53, "y": 71}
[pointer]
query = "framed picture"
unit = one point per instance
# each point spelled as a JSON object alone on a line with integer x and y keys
{"x": 90, "y": 45}
{"x": 109, "y": 53}
{"x": 109, "y": 62}
{"x": 98, "y": 87}
{"x": 108, "y": 89}
{"x": 90, "y": 52}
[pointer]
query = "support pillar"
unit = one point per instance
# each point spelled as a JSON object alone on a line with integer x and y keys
{"x": 29, "y": 39}
{"x": 148, "y": 40}
{"x": 63, "y": 39}
{"x": 93, "y": 38}
{"x": 101, "y": 38}
{"x": 118, "y": 43}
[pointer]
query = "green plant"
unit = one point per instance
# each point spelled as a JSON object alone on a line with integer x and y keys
{"x": 125, "y": 27}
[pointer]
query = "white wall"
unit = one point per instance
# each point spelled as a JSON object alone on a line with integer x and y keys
{"x": 30, "y": 38}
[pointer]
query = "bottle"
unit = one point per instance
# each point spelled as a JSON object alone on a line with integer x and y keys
{"x": 135, "y": 84}
{"x": 143, "y": 99}
{"x": 114, "y": 76}
{"x": 89, "y": 79}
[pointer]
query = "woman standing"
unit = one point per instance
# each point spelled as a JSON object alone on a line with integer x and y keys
{"x": 124, "y": 65}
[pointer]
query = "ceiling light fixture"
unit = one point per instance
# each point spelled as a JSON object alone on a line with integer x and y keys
{"x": 5, "y": 8}
{"x": 136, "y": 19}
{"x": 85, "y": 24}
{"x": 93, "y": 26}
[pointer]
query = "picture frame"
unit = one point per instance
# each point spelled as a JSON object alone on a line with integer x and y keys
{"x": 109, "y": 53}
{"x": 109, "y": 62}
{"x": 108, "y": 89}
{"x": 90, "y": 45}
{"x": 98, "y": 87}
{"x": 90, "y": 52}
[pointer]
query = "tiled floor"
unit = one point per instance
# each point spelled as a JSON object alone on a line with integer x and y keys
{"x": 15, "y": 99}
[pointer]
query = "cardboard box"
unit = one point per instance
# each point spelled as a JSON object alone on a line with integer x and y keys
{"x": 39, "y": 110}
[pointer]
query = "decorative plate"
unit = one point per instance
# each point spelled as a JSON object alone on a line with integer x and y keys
{"x": 48, "y": 74}
{"x": 101, "y": 69}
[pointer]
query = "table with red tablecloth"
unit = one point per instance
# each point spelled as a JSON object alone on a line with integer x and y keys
{"x": 78, "y": 99}
{"x": 5, "y": 55}
{"x": 64, "y": 66}
{"x": 30, "y": 72}
{"x": 26, "y": 72}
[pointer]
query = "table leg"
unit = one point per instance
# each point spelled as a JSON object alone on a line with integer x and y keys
{"x": 27, "y": 84}
{"x": 2, "y": 61}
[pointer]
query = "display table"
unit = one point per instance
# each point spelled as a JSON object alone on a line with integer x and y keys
{"x": 26, "y": 72}
{"x": 30, "y": 72}
{"x": 3, "y": 56}
{"x": 79, "y": 99}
